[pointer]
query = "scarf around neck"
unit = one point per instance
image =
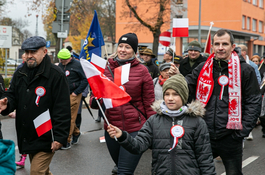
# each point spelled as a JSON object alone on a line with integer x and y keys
{"x": 205, "y": 85}
{"x": 122, "y": 62}
{"x": 161, "y": 80}
{"x": 171, "y": 113}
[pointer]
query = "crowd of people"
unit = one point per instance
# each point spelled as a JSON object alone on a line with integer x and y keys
{"x": 188, "y": 109}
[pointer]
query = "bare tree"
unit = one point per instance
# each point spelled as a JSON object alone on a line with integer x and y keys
{"x": 158, "y": 15}
{"x": 26, "y": 34}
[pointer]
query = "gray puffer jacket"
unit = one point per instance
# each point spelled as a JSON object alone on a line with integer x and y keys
{"x": 191, "y": 156}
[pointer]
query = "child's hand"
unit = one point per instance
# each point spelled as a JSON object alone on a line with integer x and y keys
{"x": 12, "y": 115}
{"x": 114, "y": 131}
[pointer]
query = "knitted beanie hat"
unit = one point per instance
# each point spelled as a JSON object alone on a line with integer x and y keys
{"x": 195, "y": 45}
{"x": 131, "y": 39}
{"x": 64, "y": 54}
{"x": 179, "y": 84}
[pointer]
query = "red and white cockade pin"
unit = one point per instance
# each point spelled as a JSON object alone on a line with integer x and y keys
{"x": 177, "y": 132}
{"x": 223, "y": 81}
{"x": 67, "y": 73}
{"x": 40, "y": 92}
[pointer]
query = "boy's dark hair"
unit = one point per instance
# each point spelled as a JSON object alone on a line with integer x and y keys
{"x": 222, "y": 32}
{"x": 69, "y": 48}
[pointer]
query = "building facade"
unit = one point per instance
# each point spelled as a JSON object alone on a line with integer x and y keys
{"x": 245, "y": 19}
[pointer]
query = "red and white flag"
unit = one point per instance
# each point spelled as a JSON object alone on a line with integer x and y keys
{"x": 121, "y": 74}
{"x": 98, "y": 62}
{"x": 180, "y": 27}
{"x": 165, "y": 38}
{"x": 43, "y": 123}
{"x": 103, "y": 88}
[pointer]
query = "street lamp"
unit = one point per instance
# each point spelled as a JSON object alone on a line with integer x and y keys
{"x": 199, "y": 37}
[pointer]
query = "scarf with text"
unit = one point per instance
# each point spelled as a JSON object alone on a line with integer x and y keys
{"x": 205, "y": 85}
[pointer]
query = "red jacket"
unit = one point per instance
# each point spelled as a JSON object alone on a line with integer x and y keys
{"x": 141, "y": 89}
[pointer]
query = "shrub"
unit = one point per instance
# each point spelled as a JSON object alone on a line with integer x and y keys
{"x": 7, "y": 81}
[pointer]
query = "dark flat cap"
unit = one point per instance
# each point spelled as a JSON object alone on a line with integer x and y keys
{"x": 33, "y": 43}
{"x": 164, "y": 66}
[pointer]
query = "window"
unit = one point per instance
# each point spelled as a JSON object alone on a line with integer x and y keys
{"x": 254, "y": 2}
{"x": 243, "y": 22}
{"x": 248, "y": 23}
{"x": 254, "y": 24}
{"x": 261, "y": 3}
{"x": 260, "y": 26}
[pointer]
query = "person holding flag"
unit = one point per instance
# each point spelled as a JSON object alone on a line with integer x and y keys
{"x": 40, "y": 96}
{"x": 130, "y": 116}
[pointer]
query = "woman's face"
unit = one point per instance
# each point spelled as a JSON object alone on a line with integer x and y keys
{"x": 125, "y": 51}
{"x": 256, "y": 61}
{"x": 172, "y": 99}
{"x": 164, "y": 73}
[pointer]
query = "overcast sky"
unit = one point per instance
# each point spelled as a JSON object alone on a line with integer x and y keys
{"x": 18, "y": 10}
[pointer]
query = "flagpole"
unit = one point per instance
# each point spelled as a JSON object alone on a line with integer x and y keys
{"x": 105, "y": 118}
{"x": 106, "y": 51}
{"x": 174, "y": 49}
{"x": 52, "y": 136}
{"x": 211, "y": 24}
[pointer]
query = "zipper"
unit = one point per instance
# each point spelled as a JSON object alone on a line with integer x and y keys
{"x": 122, "y": 117}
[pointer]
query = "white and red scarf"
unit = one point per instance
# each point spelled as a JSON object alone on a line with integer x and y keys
{"x": 205, "y": 85}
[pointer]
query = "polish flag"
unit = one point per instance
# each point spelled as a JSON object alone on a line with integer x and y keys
{"x": 43, "y": 123}
{"x": 98, "y": 62}
{"x": 121, "y": 74}
{"x": 104, "y": 88}
{"x": 165, "y": 38}
{"x": 180, "y": 27}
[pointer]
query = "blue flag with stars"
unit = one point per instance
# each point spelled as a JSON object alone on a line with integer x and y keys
{"x": 94, "y": 40}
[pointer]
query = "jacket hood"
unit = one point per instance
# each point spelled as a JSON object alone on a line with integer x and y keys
{"x": 194, "y": 108}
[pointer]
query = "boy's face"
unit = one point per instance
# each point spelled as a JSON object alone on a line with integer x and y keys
{"x": 172, "y": 99}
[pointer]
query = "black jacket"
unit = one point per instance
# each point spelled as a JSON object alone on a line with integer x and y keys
{"x": 153, "y": 69}
{"x": 216, "y": 115}
{"x": 184, "y": 67}
{"x": 75, "y": 76}
{"x": 21, "y": 96}
{"x": 191, "y": 156}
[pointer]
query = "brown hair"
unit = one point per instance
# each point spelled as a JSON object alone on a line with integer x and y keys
{"x": 222, "y": 32}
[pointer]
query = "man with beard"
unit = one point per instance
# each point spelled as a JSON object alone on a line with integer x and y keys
{"x": 40, "y": 95}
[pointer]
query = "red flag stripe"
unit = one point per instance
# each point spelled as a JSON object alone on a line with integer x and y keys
{"x": 43, "y": 128}
{"x": 117, "y": 76}
{"x": 180, "y": 32}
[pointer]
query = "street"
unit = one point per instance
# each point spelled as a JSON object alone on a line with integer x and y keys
{"x": 90, "y": 157}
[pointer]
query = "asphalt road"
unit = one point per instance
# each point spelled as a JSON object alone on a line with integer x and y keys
{"x": 90, "y": 157}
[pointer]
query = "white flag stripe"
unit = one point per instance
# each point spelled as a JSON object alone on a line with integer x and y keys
{"x": 164, "y": 38}
{"x": 180, "y": 22}
{"x": 98, "y": 61}
{"x": 107, "y": 103}
{"x": 42, "y": 118}
{"x": 125, "y": 73}
{"x": 86, "y": 65}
